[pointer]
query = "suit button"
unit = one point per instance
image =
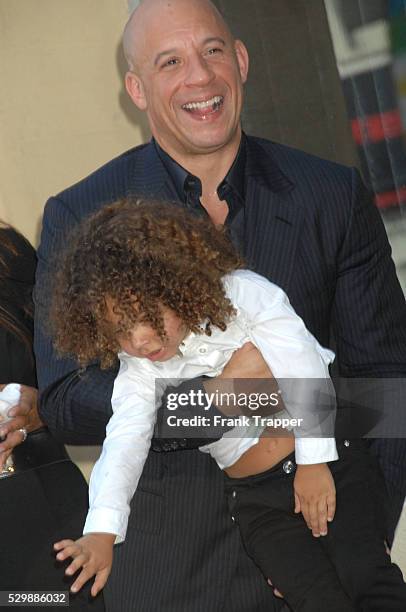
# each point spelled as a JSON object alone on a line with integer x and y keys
{"x": 346, "y": 442}
{"x": 202, "y": 350}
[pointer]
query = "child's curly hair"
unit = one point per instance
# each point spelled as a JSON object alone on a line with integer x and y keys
{"x": 142, "y": 255}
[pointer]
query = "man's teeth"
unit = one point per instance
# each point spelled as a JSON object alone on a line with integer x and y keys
{"x": 214, "y": 102}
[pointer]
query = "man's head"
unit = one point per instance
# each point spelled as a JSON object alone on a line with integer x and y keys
{"x": 187, "y": 72}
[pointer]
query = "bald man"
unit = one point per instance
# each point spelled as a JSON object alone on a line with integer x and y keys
{"x": 187, "y": 76}
{"x": 306, "y": 224}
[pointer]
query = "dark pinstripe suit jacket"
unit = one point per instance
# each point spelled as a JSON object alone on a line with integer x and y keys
{"x": 311, "y": 228}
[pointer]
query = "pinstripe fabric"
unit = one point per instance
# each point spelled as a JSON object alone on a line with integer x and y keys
{"x": 190, "y": 576}
{"x": 311, "y": 228}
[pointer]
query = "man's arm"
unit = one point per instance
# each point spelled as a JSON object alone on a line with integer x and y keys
{"x": 369, "y": 320}
{"x": 369, "y": 309}
{"x": 76, "y": 405}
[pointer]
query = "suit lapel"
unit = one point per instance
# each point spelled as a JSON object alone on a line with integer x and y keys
{"x": 149, "y": 178}
{"x": 273, "y": 220}
{"x": 268, "y": 205}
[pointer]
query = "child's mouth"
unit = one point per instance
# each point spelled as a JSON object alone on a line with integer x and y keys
{"x": 154, "y": 356}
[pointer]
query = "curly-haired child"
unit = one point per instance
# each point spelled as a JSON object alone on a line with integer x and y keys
{"x": 166, "y": 291}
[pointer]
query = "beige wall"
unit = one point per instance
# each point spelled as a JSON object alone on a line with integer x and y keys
{"x": 63, "y": 111}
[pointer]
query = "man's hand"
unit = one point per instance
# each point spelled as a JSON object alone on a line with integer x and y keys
{"x": 24, "y": 415}
{"x": 93, "y": 553}
{"x": 315, "y": 496}
{"x": 246, "y": 362}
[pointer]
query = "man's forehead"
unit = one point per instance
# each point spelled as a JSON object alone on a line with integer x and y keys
{"x": 156, "y": 22}
{"x": 183, "y": 9}
{"x": 135, "y": 4}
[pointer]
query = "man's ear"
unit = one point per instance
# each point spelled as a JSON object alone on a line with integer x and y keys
{"x": 242, "y": 59}
{"x": 135, "y": 89}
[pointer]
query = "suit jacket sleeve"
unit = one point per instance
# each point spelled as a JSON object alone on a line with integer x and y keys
{"x": 369, "y": 310}
{"x": 76, "y": 405}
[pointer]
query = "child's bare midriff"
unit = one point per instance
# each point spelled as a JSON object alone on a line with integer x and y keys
{"x": 269, "y": 451}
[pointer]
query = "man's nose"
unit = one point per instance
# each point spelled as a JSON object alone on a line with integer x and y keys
{"x": 199, "y": 71}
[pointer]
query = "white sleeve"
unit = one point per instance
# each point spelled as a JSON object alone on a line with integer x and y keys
{"x": 291, "y": 352}
{"x": 116, "y": 474}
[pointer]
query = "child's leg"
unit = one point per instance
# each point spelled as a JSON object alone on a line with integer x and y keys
{"x": 355, "y": 542}
{"x": 282, "y": 545}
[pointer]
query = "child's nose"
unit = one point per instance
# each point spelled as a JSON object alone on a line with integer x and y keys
{"x": 139, "y": 342}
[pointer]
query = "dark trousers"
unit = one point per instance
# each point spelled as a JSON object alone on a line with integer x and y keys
{"x": 391, "y": 455}
{"x": 346, "y": 570}
{"x": 39, "y": 507}
{"x": 182, "y": 551}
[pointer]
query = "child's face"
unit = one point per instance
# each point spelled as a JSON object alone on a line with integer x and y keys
{"x": 144, "y": 342}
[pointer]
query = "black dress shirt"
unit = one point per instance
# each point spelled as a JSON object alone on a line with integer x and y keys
{"x": 231, "y": 189}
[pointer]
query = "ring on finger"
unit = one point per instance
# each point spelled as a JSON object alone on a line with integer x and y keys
{"x": 24, "y": 433}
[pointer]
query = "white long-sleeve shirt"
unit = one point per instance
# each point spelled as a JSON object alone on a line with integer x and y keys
{"x": 265, "y": 318}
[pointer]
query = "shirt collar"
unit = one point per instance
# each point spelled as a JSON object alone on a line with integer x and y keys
{"x": 177, "y": 173}
{"x": 235, "y": 177}
{"x": 185, "y": 182}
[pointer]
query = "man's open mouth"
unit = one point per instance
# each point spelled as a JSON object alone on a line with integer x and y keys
{"x": 207, "y": 106}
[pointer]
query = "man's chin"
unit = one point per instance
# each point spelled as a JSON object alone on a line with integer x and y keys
{"x": 210, "y": 142}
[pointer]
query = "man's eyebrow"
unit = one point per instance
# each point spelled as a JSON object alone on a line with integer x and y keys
{"x": 212, "y": 39}
{"x": 206, "y": 41}
{"x": 162, "y": 54}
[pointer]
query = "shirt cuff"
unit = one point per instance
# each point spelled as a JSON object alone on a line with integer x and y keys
{"x": 106, "y": 520}
{"x": 315, "y": 450}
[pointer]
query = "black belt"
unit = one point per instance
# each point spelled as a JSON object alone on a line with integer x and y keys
{"x": 39, "y": 449}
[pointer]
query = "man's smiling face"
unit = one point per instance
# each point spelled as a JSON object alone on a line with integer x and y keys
{"x": 188, "y": 76}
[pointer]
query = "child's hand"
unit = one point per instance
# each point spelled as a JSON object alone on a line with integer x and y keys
{"x": 315, "y": 496}
{"x": 94, "y": 553}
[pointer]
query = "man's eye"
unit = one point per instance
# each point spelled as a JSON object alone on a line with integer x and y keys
{"x": 171, "y": 62}
{"x": 214, "y": 51}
